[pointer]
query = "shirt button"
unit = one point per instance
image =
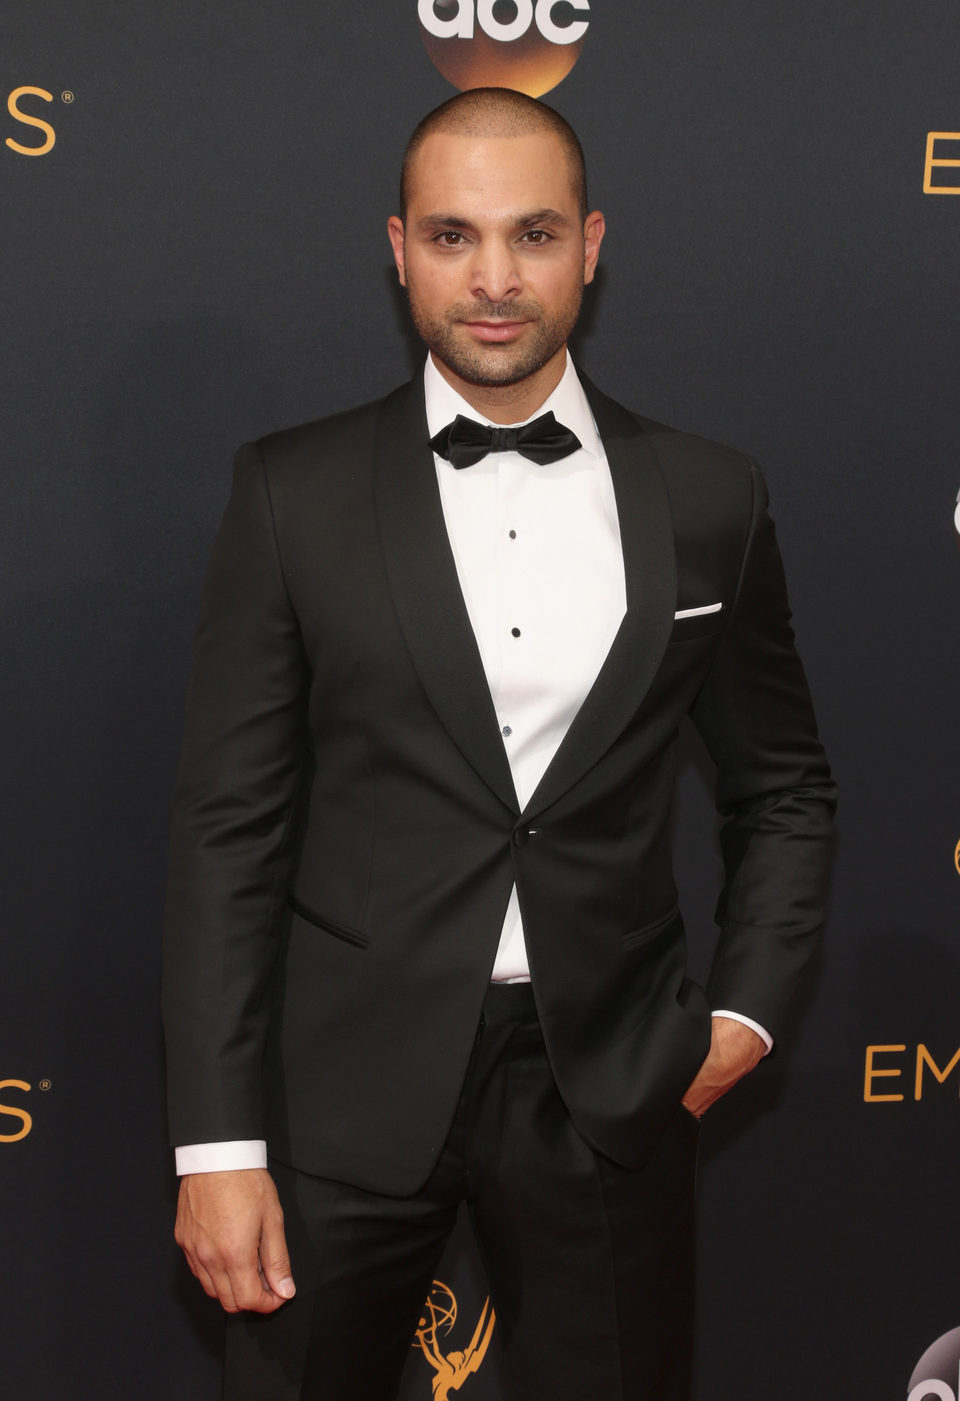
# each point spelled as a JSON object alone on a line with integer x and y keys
{"x": 513, "y": 535}
{"x": 515, "y": 632}
{"x": 506, "y": 731}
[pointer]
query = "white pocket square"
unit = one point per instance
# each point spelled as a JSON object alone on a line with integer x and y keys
{"x": 698, "y": 612}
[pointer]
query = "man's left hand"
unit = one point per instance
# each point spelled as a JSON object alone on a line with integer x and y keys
{"x": 735, "y": 1049}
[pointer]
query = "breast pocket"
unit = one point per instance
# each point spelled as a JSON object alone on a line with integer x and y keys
{"x": 692, "y": 623}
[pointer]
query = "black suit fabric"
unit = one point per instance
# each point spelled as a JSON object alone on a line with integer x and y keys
{"x": 590, "y": 1266}
{"x": 346, "y": 831}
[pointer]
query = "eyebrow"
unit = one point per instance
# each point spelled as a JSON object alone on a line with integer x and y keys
{"x": 520, "y": 221}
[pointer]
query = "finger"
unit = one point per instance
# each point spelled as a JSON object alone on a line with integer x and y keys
{"x": 246, "y": 1288}
{"x": 275, "y": 1258}
{"x": 251, "y": 1289}
{"x": 229, "y": 1270}
{"x": 214, "y": 1282}
{"x": 699, "y": 1095}
{"x": 223, "y": 1286}
{"x": 205, "y": 1281}
{"x": 196, "y": 1267}
{"x": 261, "y": 1299}
{"x": 698, "y": 1101}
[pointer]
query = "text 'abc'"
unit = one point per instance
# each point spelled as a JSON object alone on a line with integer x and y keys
{"x": 461, "y": 24}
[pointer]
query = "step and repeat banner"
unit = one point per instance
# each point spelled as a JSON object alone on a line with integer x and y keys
{"x": 193, "y": 208}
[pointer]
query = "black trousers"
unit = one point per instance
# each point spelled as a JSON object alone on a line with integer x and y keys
{"x": 590, "y": 1267}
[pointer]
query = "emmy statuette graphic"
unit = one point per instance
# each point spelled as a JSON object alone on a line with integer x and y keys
{"x": 439, "y": 1315}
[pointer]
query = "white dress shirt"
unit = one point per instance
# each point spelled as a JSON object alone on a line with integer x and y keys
{"x": 538, "y": 556}
{"x": 540, "y": 564}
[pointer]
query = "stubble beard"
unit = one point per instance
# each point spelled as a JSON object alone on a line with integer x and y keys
{"x": 492, "y": 365}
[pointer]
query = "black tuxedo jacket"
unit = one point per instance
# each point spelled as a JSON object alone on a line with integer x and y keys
{"x": 346, "y": 832}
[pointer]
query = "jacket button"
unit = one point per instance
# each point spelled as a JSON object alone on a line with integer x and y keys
{"x": 521, "y": 836}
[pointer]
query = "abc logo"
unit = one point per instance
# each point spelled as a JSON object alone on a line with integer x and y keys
{"x": 529, "y": 45}
{"x": 936, "y": 1376}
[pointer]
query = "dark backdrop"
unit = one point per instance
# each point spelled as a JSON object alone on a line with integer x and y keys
{"x": 199, "y": 258}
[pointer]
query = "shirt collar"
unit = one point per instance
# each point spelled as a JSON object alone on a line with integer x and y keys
{"x": 568, "y": 402}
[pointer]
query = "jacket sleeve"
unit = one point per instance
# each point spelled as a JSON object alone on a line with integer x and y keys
{"x": 233, "y": 832}
{"x": 774, "y": 791}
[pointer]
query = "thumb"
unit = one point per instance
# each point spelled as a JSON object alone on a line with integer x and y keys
{"x": 275, "y": 1260}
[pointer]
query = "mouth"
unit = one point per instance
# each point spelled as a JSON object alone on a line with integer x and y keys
{"x": 495, "y": 332}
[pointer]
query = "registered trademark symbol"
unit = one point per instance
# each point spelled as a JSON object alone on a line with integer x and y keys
{"x": 45, "y": 1085}
{"x": 67, "y": 96}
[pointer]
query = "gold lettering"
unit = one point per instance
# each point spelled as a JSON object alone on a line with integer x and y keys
{"x": 933, "y": 161}
{"x": 925, "y": 1058}
{"x": 871, "y": 1073}
{"x": 25, "y": 1120}
{"x": 19, "y": 116}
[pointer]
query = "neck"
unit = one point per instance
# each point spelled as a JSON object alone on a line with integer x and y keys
{"x": 509, "y": 403}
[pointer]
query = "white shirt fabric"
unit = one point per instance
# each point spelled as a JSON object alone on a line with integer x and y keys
{"x": 538, "y": 556}
{"x": 540, "y": 564}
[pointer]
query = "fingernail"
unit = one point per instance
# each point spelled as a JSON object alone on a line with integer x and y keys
{"x": 286, "y": 1288}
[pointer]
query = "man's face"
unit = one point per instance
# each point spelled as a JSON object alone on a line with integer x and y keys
{"x": 494, "y": 254}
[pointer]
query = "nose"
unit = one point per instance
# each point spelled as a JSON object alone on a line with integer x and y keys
{"x": 494, "y": 273}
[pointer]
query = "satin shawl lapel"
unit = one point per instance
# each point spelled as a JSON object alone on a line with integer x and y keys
{"x": 426, "y": 589}
{"x": 650, "y": 569}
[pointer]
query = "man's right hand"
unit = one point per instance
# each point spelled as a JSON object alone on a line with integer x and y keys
{"x": 230, "y": 1227}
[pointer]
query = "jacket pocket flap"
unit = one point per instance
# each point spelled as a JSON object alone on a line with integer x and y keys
{"x": 648, "y": 932}
{"x": 329, "y": 926}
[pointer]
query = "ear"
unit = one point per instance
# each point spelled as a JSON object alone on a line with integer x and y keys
{"x": 594, "y": 227}
{"x": 395, "y": 235}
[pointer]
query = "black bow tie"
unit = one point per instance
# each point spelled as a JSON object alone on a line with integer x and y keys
{"x": 464, "y": 441}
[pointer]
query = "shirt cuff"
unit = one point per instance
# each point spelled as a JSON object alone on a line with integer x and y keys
{"x": 233, "y": 1156}
{"x": 762, "y": 1032}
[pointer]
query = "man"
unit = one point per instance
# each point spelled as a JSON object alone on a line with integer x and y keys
{"x": 423, "y": 943}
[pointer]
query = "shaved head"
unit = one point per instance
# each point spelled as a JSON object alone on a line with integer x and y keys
{"x": 496, "y": 112}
